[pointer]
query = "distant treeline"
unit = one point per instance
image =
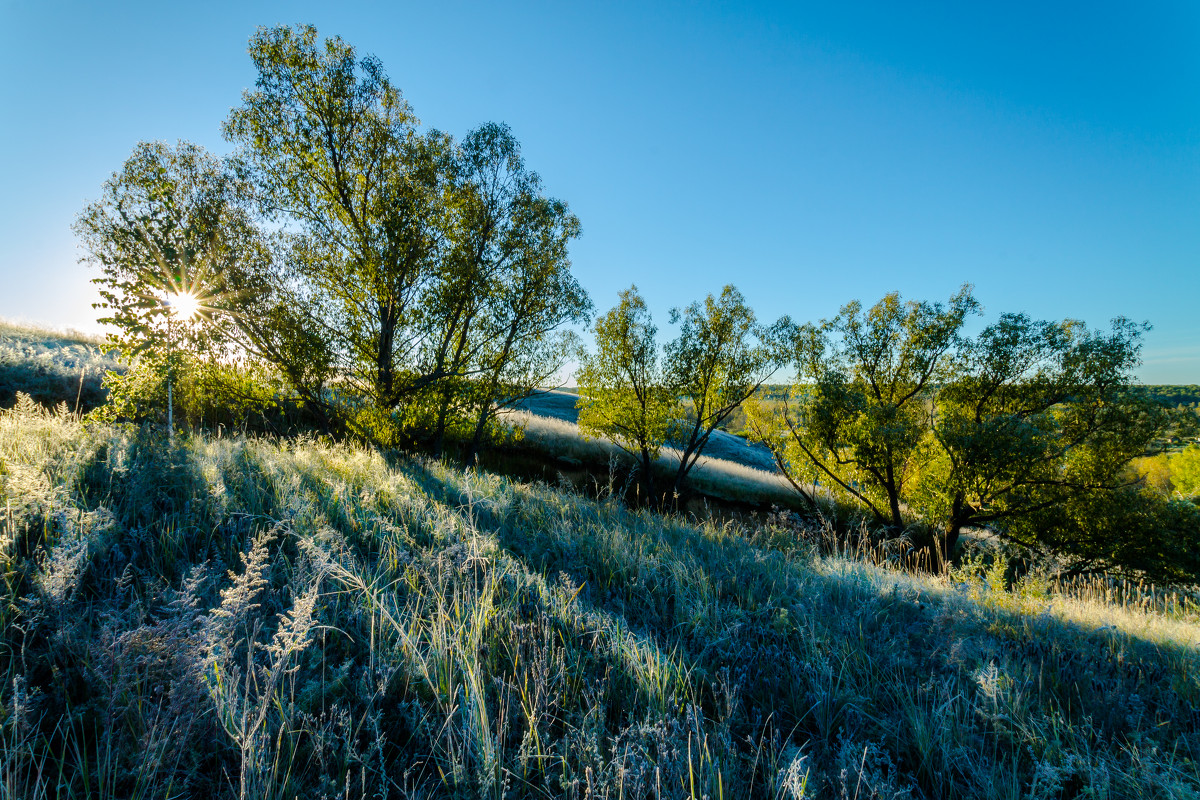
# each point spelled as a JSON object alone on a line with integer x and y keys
{"x": 1175, "y": 396}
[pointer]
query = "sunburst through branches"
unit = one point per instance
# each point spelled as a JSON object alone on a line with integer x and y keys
{"x": 185, "y": 289}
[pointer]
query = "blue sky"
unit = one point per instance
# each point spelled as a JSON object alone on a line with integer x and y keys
{"x": 810, "y": 153}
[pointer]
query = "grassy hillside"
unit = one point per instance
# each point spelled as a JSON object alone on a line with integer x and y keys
{"x": 255, "y": 618}
{"x": 53, "y": 367}
{"x": 560, "y": 405}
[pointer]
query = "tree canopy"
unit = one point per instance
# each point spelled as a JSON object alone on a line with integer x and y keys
{"x": 335, "y": 154}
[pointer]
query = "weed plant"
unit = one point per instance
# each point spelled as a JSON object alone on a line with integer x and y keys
{"x": 261, "y": 618}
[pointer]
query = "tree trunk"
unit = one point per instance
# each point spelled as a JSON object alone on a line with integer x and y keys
{"x": 385, "y": 369}
{"x": 439, "y": 433}
{"x": 647, "y": 478}
{"x": 695, "y": 442}
{"x": 893, "y": 494}
{"x": 948, "y": 544}
{"x": 477, "y": 439}
{"x": 954, "y": 528}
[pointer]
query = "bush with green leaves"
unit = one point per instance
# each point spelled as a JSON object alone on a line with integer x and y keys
{"x": 1184, "y": 469}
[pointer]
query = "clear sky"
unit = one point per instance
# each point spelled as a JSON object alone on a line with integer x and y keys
{"x": 809, "y": 153}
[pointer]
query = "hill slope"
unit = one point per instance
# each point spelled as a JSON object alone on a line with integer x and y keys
{"x": 52, "y": 367}
{"x": 560, "y": 405}
{"x": 255, "y": 618}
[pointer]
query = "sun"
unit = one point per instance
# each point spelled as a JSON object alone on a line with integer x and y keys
{"x": 183, "y": 305}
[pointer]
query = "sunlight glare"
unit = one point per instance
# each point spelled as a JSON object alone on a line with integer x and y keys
{"x": 184, "y": 306}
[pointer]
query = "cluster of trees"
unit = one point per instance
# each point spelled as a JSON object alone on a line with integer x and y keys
{"x": 398, "y": 282}
{"x": 1176, "y": 396}
{"x": 1028, "y": 427}
{"x": 1174, "y": 474}
{"x": 408, "y": 286}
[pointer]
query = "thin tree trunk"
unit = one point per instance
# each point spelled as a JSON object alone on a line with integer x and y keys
{"x": 893, "y": 494}
{"x": 647, "y": 477}
{"x": 385, "y": 369}
{"x": 953, "y": 531}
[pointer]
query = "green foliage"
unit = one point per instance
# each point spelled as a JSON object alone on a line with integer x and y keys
{"x": 1185, "y": 471}
{"x": 716, "y": 363}
{"x": 506, "y": 288}
{"x": 1154, "y": 472}
{"x": 178, "y": 249}
{"x": 623, "y": 390}
{"x": 1187, "y": 396}
{"x": 1122, "y": 529}
{"x": 859, "y": 406}
{"x": 206, "y": 393}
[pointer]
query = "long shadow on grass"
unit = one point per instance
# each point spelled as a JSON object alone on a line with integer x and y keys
{"x": 958, "y": 690}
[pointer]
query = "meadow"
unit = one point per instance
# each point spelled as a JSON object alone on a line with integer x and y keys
{"x": 261, "y": 618}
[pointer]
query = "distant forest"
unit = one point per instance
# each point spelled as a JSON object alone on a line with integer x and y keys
{"x": 1173, "y": 396}
{"x": 1176, "y": 396}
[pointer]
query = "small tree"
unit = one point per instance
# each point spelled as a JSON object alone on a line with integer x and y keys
{"x": 718, "y": 361}
{"x": 623, "y": 393}
{"x": 171, "y": 227}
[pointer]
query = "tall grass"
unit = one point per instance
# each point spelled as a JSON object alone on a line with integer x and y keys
{"x": 241, "y": 617}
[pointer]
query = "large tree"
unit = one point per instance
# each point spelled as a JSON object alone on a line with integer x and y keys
{"x": 623, "y": 391}
{"x": 334, "y": 151}
{"x": 1035, "y": 427}
{"x": 717, "y": 362}
{"x": 435, "y": 274}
